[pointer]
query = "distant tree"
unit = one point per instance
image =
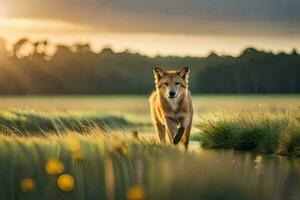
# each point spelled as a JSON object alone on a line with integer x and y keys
{"x": 107, "y": 50}
{"x": 212, "y": 55}
{"x": 81, "y": 48}
{"x": 18, "y": 45}
{"x": 62, "y": 50}
{"x": 2, "y": 46}
{"x": 294, "y": 52}
{"x": 40, "y": 49}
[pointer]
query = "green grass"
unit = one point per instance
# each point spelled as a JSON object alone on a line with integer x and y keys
{"x": 260, "y": 131}
{"x": 111, "y": 166}
{"x": 31, "y": 122}
{"x": 108, "y": 163}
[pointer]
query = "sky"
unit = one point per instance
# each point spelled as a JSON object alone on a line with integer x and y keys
{"x": 177, "y": 27}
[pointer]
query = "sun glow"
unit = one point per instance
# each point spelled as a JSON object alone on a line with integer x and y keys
{"x": 152, "y": 44}
{"x": 39, "y": 24}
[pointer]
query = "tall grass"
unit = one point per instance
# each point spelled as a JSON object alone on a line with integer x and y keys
{"x": 34, "y": 122}
{"x": 259, "y": 131}
{"x": 106, "y": 166}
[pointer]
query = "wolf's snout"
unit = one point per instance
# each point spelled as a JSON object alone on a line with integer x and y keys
{"x": 172, "y": 94}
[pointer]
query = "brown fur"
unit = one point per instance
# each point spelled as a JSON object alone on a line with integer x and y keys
{"x": 172, "y": 116}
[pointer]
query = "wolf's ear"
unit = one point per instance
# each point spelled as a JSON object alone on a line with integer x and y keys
{"x": 158, "y": 73}
{"x": 184, "y": 73}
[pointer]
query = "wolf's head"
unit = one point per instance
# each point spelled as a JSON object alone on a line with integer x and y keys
{"x": 171, "y": 83}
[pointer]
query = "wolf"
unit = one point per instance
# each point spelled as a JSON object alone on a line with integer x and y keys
{"x": 171, "y": 106}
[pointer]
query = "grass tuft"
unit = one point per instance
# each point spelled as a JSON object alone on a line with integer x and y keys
{"x": 257, "y": 131}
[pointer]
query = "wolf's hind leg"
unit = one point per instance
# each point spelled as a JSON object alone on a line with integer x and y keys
{"x": 186, "y": 137}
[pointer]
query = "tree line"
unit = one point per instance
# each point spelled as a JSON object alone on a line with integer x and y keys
{"x": 75, "y": 69}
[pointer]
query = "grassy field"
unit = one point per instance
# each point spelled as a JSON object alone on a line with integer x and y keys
{"x": 136, "y": 108}
{"x": 219, "y": 121}
{"x": 83, "y": 147}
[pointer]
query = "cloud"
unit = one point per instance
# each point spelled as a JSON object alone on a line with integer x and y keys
{"x": 219, "y": 17}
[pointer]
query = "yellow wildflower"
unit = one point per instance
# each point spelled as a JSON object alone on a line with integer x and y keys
{"x": 119, "y": 147}
{"x": 136, "y": 192}
{"x": 77, "y": 155}
{"x": 125, "y": 151}
{"x": 74, "y": 144}
{"x": 54, "y": 166}
{"x": 65, "y": 182}
{"x": 28, "y": 185}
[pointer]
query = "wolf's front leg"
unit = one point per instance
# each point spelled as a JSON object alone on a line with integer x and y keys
{"x": 171, "y": 127}
{"x": 161, "y": 131}
{"x": 178, "y": 136}
{"x": 181, "y": 130}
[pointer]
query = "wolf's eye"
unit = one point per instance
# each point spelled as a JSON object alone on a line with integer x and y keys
{"x": 177, "y": 83}
{"x": 166, "y": 84}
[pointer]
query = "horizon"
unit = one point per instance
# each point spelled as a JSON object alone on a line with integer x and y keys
{"x": 163, "y": 44}
{"x": 97, "y": 49}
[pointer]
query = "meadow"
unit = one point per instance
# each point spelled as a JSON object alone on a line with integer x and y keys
{"x": 71, "y": 147}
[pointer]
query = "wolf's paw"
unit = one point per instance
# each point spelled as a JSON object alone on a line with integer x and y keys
{"x": 178, "y": 136}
